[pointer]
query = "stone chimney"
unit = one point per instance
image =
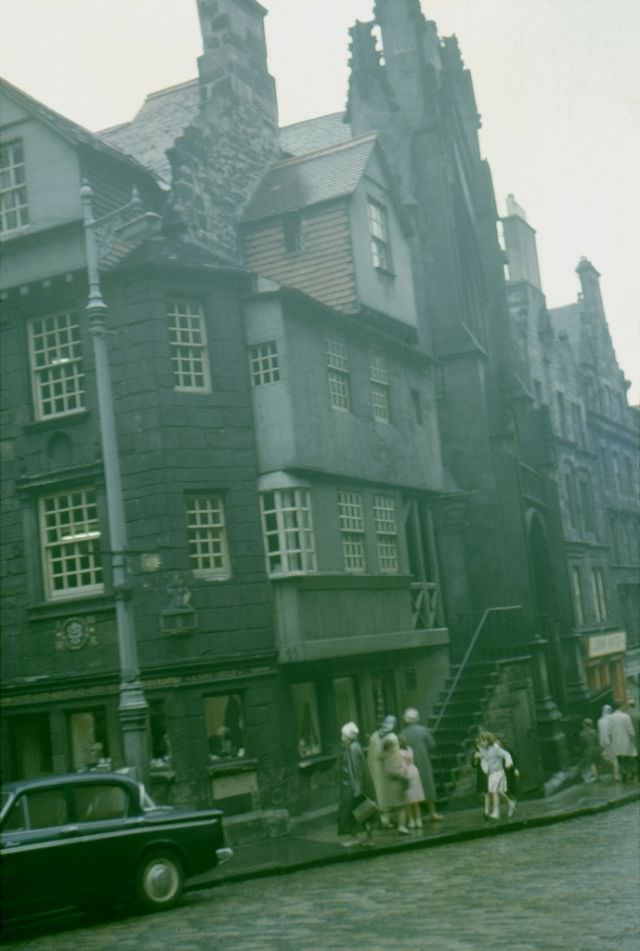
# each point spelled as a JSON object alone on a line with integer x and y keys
{"x": 222, "y": 155}
{"x": 521, "y": 246}
{"x": 590, "y": 284}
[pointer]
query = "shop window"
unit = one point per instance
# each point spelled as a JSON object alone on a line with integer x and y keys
{"x": 225, "y": 726}
{"x": 30, "y": 745}
{"x": 305, "y": 707}
{"x": 88, "y": 738}
{"x": 160, "y": 742}
{"x": 344, "y": 691}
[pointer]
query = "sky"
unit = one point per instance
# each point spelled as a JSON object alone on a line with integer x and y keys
{"x": 557, "y": 84}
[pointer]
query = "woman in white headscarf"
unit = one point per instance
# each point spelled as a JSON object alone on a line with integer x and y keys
{"x": 355, "y": 787}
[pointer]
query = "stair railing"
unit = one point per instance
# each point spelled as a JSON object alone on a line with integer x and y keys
{"x": 467, "y": 656}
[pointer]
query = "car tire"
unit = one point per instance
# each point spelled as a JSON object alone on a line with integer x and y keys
{"x": 160, "y": 880}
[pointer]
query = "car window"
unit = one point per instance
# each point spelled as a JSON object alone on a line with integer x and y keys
{"x": 100, "y": 802}
{"x": 14, "y": 820}
{"x": 47, "y": 808}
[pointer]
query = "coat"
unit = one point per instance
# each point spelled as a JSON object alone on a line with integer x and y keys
{"x": 421, "y": 741}
{"x": 394, "y": 778}
{"x": 622, "y": 737}
{"x": 354, "y": 783}
{"x": 374, "y": 762}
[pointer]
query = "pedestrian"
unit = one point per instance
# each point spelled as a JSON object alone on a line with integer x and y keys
{"x": 589, "y": 751}
{"x": 512, "y": 773}
{"x": 394, "y": 783}
{"x": 634, "y": 713}
{"x": 493, "y": 759}
{"x": 374, "y": 761}
{"x": 623, "y": 743}
{"x": 355, "y": 789}
{"x": 482, "y": 787}
{"x": 415, "y": 791}
{"x": 604, "y": 739}
{"x": 421, "y": 741}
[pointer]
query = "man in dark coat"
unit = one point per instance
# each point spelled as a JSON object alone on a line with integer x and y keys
{"x": 355, "y": 787}
{"x": 421, "y": 741}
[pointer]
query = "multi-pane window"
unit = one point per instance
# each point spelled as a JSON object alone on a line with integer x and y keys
{"x": 56, "y": 364}
{"x": 380, "y": 388}
{"x": 207, "y": 536}
{"x": 384, "y": 512}
{"x": 14, "y": 210}
{"x": 352, "y": 530}
{"x": 599, "y": 597}
{"x": 288, "y": 531}
{"x": 379, "y": 230}
{"x": 71, "y": 543}
{"x": 338, "y": 370}
{"x": 264, "y": 363}
{"x": 188, "y": 343}
{"x": 578, "y": 600}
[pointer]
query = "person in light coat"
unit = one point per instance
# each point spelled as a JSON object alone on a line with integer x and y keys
{"x": 622, "y": 743}
{"x": 374, "y": 762}
{"x": 604, "y": 739}
{"x": 421, "y": 741}
{"x": 493, "y": 761}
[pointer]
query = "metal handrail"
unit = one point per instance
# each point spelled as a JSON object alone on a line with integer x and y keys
{"x": 468, "y": 653}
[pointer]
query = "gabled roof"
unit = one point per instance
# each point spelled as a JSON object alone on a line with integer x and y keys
{"x": 76, "y": 134}
{"x": 313, "y": 134}
{"x": 159, "y": 122}
{"x": 297, "y": 183}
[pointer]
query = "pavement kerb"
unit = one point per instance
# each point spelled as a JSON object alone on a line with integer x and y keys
{"x": 441, "y": 838}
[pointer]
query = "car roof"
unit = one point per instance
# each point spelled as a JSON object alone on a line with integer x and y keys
{"x": 63, "y": 779}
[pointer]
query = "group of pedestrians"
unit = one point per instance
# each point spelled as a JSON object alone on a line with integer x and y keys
{"x": 615, "y": 744}
{"x": 389, "y": 785}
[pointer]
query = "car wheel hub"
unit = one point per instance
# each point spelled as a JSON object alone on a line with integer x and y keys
{"x": 161, "y": 881}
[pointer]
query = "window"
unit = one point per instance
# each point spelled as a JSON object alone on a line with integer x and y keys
{"x": 264, "y": 364}
{"x": 384, "y": 511}
{"x": 207, "y": 536}
{"x": 188, "y": 343}
{"x": 599, "y": 598}
{"x": 288, "y": 531}
{"x": 578, "y": 600}
{"x": 352, "y": 530}
{"x": 339, "y": 397}
{"x": 224, "y": 722}
{"x": 380, "y": 388}
{"x": 305, "y": 710}
{"x": 379, "y": 230}
{"x": 88, "y": 738}
{"x": 586, "y": 505}
{"x": 70, "y": 534}
{"x": 292, "y": 233}
{"x": 100, "y": 802}
{"x": 56, "y": 365}
{"x": 14, "y": 211}
{"x": 572, "y": 503}
{"x": 47, "y": 808}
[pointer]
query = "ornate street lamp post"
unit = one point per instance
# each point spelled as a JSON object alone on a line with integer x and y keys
{"x": 133, "y": 707}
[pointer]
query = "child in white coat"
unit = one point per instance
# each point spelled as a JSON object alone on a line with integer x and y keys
{"x": 493, "y": 760}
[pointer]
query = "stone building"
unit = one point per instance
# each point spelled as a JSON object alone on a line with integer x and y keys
{"x": 341, "y": 485}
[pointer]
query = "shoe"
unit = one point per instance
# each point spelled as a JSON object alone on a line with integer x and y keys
{"x": 403, "y": 830}
{"x": 512, "y": 808}
{"x": 348, "y": 843}
{"x": 494, "y": 815}
{"x": 436, "y": 817}
{"x": 419, "y": 825}
{"x": 411, "y": 824}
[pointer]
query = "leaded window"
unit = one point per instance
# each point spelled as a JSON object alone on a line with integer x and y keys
{"x": 352, "y": 531}
{"x": 71, "y": 543}
{"x": 264, "y": 363}
{"x": 384, "y": 512}
{"x": 56, "y": 365}
{"x": 188, "y": 343}
{"x": 379, "y": 374}
{"x": 379, "y": 230}
{"x": 288, "y": 531}
{"x": 207, "y": 536}
{"x": 338, "y": 373}
{"x": 14, "y": 209}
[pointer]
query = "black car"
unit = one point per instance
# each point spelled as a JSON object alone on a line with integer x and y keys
{"x": 90, "y": 839}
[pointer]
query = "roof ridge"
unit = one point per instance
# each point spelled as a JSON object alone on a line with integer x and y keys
{"x": 326, "y": 150}
{"x": 328, "y": 115}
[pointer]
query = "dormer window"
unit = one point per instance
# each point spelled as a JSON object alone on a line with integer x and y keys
{"x": 292, "y": 232}
{"x": 379, "y": 230}
{"x": 14, "y": 211}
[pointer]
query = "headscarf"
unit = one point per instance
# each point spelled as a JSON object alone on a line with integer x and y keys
{"x": 388, "y": 726}
{"x": 350, "y": 731}
{"x": 411, "y": 715}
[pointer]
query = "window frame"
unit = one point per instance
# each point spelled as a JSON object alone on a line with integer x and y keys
{"x": 378, "y": 219}
{"x": 599, "y": 594}
{"x": 21, "y": 207}
{"x": 209, "y": 572}
{"x": 380, "y": 389}
{"x": 193, "y": 351}
{"x": 384, "y": 534}
{"x": 264, "y": 363}
{"x": 338, "y": 374}
{"x": 352, "y": 531}
{"x": 91, "y": 538}
{"x": 45, "y": 375}
{"x": 282, "y": 532}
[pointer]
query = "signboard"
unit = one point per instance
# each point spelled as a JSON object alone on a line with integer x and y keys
{"x": 614, "y": 642}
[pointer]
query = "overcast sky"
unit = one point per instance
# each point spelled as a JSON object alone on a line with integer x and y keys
{"x": 557, "y": 84}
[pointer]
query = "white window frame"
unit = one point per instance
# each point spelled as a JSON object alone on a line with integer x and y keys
{"x": 207, "y": 539}
{"x": 338, "y": 373}
{"x": 73, "y": 512}
{"x": 264, "y": 363}
{"x": 351, "y": 515}
{"x": 287, "y": 528}
{"x": 187, "y": 331}
{"x": 578, "y": 596}
{"x": 379, "y": 377}
{"x": 379, "y": 231}
{"x": 599, "y": 594}
{"x": 57, "y": 374}
{"x": 386, "y": 524}
{"x": 13, "y": 187}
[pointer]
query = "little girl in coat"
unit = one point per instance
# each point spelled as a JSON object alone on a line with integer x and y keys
{"x": 493, "y": 760}
{"x": 415, "y": 790}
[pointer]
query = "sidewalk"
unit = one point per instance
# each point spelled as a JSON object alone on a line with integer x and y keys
{"x": 319, "y": 845}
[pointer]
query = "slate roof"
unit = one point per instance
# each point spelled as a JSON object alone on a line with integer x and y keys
{"x": 156, "y": 126}
{"x": 306, "y": 180}
{"x": 313, "y": 134}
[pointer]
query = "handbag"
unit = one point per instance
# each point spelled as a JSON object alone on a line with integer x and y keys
{"x": 365, "y": 810}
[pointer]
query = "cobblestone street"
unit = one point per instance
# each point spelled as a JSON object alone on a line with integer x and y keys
{"x": 572, "y": 886}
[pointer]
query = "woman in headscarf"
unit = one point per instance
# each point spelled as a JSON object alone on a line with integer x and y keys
{"x": 421, "y": 741}
{"x": 604, "y": 738}
{"x": 374, "y": 760}
{"x": 394, "y": 782}
{"x": 355, "y": 787}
